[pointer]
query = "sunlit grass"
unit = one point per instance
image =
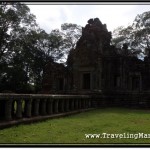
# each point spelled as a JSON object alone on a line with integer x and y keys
{"x": 72, "y": 129}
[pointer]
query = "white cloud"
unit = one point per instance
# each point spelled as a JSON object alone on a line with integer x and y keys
{"x": 52, "y": 16}
{"x": 117, "y": 15}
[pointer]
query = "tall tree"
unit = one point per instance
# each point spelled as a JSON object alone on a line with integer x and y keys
{"x": 25, "y": 49}
{"x": 71, "y": 34}
{"x": 16, "y": 21}
{"x": 137, "y": 35}
{"x": 13, "y": 16}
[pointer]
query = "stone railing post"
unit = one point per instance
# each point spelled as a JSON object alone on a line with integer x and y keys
{"x": 83, "y": 103}
{"x": 56, "y": 105}
{"x": 13, "y": 110}
{"x": 8, "y": 110}
{"x": 72, "y": 104}
{"x": 67, "y": 104}
{"x": 28, "y": 107}
{"x": 43, "y": 106}
{"x": 76, "y": 104}
{"x": 80, "y": 101}
{"x": 35, "y": 106}
{"x": 89, "y": 103}
{"x": 2, "y": 108}
{"x": 19, "y": 108}
{"x": 50, "y": 106}
{"x": 62, "y": 105}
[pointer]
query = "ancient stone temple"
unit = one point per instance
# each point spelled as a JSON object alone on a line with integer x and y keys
{"x": 56, "y": 78}
{"x": 95, "y": 66}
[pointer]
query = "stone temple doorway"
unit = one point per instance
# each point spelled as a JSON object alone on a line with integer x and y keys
{"x": 60, "y": 84}
{"x": 86, "y": 81}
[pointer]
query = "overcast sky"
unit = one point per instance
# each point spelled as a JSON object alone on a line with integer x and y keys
{"x": 52, "y": 16}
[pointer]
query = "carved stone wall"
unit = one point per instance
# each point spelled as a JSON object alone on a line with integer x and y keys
{"x": 96, "y": 66}
{"x": 56, "y": 79}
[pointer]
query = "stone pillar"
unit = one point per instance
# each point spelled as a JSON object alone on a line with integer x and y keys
{"x": 43, "y": 106}
{"x": 8, "y": 110}
{"x": 2, "y": 108}
{"x": 19, "y": 109}
{"x": 55, "y": 106}
{"x": 13, "y": 110}
{"x": 62, "y": 105}
{"x": 28, "y": 107}
{"x": 67, "y": 104}
{"x": 89, "y": 103}
{"x": 50, "y": 106}
{"x": 82, "y": 103}
{"x": 86, "y": 103}
{"x": 72, "y": 104}
{"x": 36, "y": 107}
{"x": 76, "y": 104}
{"x": 79, "y": 103}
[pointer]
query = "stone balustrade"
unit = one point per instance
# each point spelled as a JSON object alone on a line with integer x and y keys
{"x": 17, "y": 106}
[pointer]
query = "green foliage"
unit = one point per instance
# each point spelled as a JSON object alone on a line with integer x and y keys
{"x": 137, "y": 35}
{"x": 72, "y": 33}
{"x": 25, "y": 49}
{"x": 72, "y": 129}
{"x": 16, "y": 23}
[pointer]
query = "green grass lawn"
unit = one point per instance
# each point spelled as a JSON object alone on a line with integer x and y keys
{"x": 72, "y": 129}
